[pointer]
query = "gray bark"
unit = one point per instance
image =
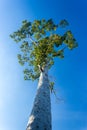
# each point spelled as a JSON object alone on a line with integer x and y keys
{"x": 40, "y": 117}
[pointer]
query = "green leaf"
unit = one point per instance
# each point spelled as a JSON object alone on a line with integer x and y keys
{"x": 51, "y": 86}
{"x": 63, "y": 23}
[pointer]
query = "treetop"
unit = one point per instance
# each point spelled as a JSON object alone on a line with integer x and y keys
{"x": 41, "y": 43}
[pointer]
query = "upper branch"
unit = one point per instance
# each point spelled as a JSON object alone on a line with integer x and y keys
{"x": 32, "y": 40}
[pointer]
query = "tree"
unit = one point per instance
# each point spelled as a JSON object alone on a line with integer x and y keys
{"x": 40, "y": 43}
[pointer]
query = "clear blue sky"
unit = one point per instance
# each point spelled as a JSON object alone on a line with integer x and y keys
{"x": 70, "y": 74}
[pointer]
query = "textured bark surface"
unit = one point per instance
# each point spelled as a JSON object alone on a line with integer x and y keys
{"x": 40, "y": 118}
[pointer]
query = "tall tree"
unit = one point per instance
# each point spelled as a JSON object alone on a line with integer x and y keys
{"x": 40, "y": 43}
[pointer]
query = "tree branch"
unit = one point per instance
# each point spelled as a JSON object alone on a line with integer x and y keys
{"x": 64, "y": 47}
{"x": 32, "y": 40}
{"x": 40, "y": 68}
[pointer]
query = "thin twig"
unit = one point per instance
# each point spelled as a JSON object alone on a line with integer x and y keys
{"x": 58, "y": 99}
{"x": 64, "y": 47}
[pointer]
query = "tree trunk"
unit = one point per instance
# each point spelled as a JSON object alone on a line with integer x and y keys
{"x": 40, "y": 118}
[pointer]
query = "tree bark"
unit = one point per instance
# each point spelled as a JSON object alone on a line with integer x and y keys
{"x": 40, "y": 117}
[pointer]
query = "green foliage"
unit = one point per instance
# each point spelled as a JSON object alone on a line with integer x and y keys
{"x": 40, "y": 44}
{"x": 51, "y": 86}
{"x": 63, "y": 23}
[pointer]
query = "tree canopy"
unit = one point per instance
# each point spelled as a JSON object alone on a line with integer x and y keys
{"x": 40, "y": 43}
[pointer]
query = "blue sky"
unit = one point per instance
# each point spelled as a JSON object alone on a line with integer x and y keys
{"x": 70, "y": 74}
